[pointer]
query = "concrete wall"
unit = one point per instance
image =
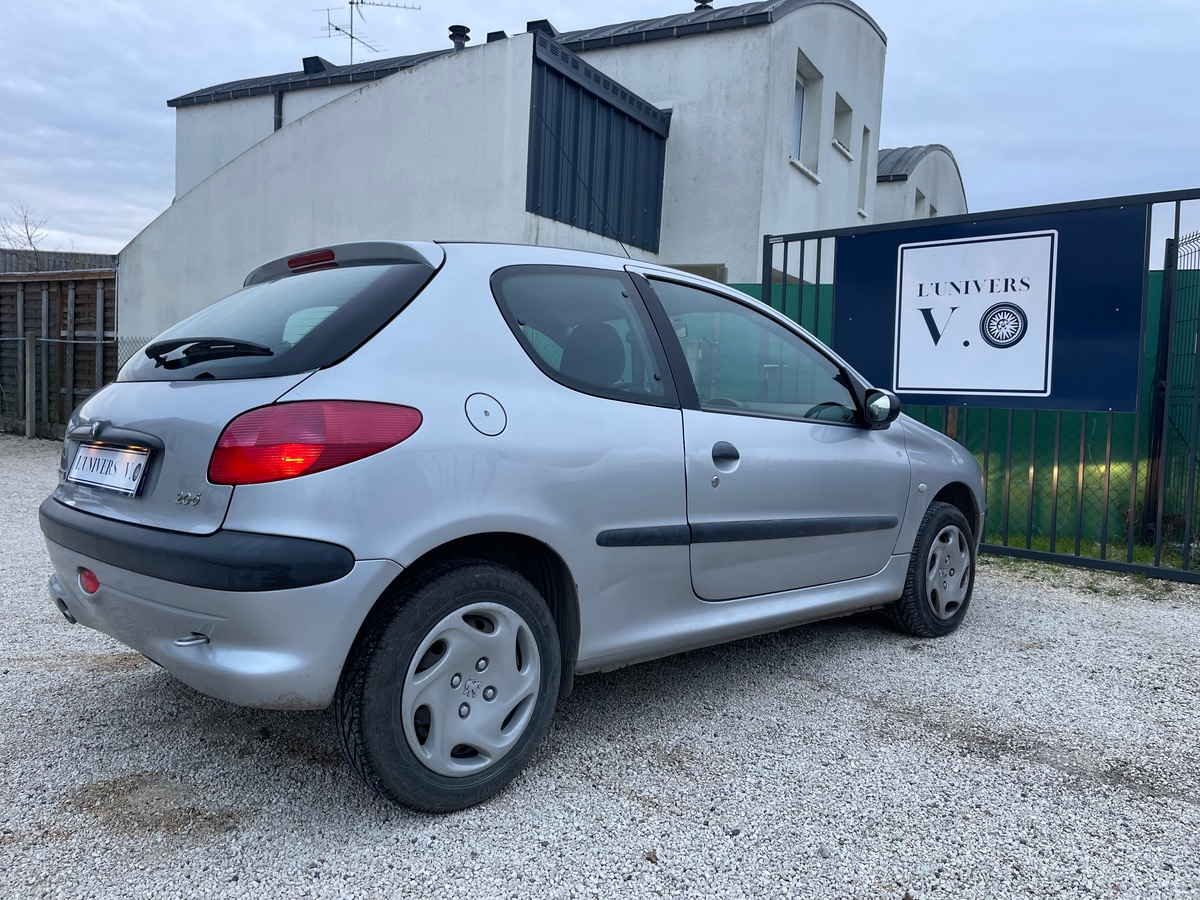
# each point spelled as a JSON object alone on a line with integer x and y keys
{"x": 380, "y": 162}
{"x": 211, "y": 134}
{"x": 300, "y": 103}
{"x": 729, "y": 175}
{"x": 933, "y": 188}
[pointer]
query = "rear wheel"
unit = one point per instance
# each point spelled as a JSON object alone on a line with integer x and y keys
{"x": 451, "y": 688}
{"x": 941, "y": 575}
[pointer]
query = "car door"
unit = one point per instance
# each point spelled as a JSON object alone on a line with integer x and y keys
{"x": 786, "y": 488}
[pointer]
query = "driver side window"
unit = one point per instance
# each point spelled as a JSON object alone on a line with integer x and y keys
{"x": 742, "y": 360}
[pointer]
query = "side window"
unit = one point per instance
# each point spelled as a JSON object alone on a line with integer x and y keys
{"x": 586, "y": 328}
{"x": 741, "y": 360}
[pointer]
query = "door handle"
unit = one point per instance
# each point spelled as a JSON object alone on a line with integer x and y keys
{"x": 725, "y": 456}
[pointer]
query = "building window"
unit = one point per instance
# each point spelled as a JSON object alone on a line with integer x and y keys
{"x": 798, "y": 118}
{"x": 863, "y": 156}
{"x": 806, "y": 115}
{"x": 843, "y": 118}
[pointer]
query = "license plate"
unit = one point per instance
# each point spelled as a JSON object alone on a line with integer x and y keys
{"x": 119, "y": 469}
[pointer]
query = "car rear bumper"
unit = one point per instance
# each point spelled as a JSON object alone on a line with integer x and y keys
{"x": 278, "y": 649}
{"x": 223, "y": 560}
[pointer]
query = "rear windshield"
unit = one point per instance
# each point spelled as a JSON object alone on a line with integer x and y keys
{"x": 295, "y": 324}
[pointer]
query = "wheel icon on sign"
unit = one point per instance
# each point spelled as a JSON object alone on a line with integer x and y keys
{"x": 1003, "y": 325}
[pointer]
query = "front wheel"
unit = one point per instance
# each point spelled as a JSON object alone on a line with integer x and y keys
{"x": 941, "y": 575}
{"x": 450, "y": 688}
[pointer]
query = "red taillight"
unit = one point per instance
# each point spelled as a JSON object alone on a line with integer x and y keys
{"x": 88, "y": 581}
{"x": 312, "y": 259}
{"x": 273, "y": 443}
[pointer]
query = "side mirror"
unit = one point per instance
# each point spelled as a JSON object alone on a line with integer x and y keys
{"x": 882, "y": 408}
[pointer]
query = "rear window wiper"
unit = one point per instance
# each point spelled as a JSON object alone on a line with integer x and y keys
{"x": 201, "y": 349}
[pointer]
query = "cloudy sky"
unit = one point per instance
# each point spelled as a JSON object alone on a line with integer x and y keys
{"x": 1041, "y": 101}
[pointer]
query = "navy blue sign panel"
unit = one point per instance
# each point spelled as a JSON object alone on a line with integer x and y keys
{"x": 1033, "y": 311}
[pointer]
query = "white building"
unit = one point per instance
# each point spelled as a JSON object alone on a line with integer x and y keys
{"x": 918, "y": 183}
{"x": 680, "y": 139}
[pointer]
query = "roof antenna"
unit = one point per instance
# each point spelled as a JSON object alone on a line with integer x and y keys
{"x": 332, "y": 29}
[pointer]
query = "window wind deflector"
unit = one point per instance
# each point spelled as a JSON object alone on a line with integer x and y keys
{"x": 201, "y": 349}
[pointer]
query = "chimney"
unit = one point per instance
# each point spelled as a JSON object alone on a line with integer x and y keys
{"x": 315, "y": 65}
{"x": 703, "y": 4}
{"x": 542, "y": 25}
{"x": 459, "y": 35}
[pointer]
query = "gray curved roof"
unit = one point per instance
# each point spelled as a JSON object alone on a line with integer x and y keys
{"x": 897, "y": 163}
{"x": 698, "y": 22}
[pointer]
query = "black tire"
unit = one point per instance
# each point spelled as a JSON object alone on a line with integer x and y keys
{"x": 937, "y": 592}
{"x": 405, "y": 724}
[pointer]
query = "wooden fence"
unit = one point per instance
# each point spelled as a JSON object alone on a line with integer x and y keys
{"x": 72, "y": 318}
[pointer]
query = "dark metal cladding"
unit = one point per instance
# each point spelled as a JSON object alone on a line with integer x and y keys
{"x": 597, "y": 152}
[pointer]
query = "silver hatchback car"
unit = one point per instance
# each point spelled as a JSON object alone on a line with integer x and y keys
{"x": 430, "y": 484}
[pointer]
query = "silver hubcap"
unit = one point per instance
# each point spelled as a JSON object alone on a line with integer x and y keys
{"x": 948, "y": 571}
{"x": 470, "y": 690}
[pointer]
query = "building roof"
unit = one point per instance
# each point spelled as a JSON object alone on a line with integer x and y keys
{"x": 317, "y": 73}
{"x": 897, "y": 163}
{"x": 701, "y": 21}
{"x": 321, "y": 73}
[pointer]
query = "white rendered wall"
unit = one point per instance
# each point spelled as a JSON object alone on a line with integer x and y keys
{"x": 300, "y": 103}
{"x": 849, "y": 53}
{"x": 936, "y": 176}
{"x": 438, "y": 152}
{"x": 209, "y": 135}
{"x": 728, "y": 175}
{"x": 713, "y": 186}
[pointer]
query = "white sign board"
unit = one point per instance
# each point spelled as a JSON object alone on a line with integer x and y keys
{"x": 976, "y": 315}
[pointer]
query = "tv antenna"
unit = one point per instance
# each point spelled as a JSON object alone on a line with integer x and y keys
{"x": 332, "y": 29}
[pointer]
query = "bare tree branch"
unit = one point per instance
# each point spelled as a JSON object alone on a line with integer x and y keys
{"x": 23, "y": 231}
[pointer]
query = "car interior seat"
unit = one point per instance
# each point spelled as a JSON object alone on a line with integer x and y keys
{"x": 595, "y": 354}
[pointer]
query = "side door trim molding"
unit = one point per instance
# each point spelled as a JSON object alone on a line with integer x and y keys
{"x": 738, "y": 531}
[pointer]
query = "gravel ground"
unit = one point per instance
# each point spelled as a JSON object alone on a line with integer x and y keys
{"x": 1047, "y": 749}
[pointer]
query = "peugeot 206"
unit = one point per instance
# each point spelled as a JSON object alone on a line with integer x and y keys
{"x": 429, "y": 484}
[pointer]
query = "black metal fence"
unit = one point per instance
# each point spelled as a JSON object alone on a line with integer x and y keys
{"x": 1110, "y": 490}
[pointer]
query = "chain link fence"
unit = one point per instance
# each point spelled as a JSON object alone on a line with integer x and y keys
{"x": 43, "y": 379}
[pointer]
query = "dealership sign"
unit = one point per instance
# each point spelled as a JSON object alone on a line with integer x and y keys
{"x": 1025, "y": 310}
{"x": 976, "y": 315}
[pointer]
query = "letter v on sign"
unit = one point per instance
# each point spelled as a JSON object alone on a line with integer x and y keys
{"x": 934, "y": 331}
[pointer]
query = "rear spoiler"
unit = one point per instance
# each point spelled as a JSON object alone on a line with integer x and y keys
{"x": 357, "y": 253}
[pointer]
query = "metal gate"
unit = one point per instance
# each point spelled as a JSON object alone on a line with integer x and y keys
{"x": 1104, "y": 489}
